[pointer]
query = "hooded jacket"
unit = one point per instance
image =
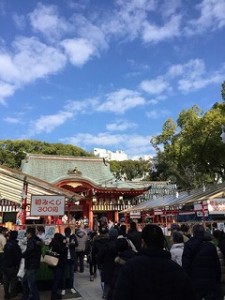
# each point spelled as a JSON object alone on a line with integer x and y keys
{"x": 82, "y": 240}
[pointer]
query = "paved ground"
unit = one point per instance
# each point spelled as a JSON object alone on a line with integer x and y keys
{"x": 88, "y": 290}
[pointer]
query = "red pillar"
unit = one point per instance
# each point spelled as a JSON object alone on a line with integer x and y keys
{"x": 116, "y": 217}
{"x": 24, "y": 202}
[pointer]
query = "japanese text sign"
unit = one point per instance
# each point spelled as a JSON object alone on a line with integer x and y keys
{"x": 47, "y": 205}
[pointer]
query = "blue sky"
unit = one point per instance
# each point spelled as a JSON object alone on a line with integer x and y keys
{"x": 106, "y": 73}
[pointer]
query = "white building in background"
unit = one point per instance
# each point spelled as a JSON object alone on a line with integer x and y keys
{"x": 118, "y": 155}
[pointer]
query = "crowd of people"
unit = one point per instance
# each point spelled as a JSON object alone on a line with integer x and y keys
{"x": 132, "y": 264}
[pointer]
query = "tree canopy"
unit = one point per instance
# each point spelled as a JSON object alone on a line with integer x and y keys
{"x": 12, "y": 152}
{"x": 190, "y": 152}
{"x": 131, "y": 169}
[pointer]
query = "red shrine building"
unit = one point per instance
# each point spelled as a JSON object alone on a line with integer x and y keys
{"x": 100, "y": 193}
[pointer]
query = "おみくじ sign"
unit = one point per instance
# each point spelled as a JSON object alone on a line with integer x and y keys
{"x": 47, "y": 205}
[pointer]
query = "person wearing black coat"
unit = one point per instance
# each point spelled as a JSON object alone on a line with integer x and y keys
{"x": 124, "y": 253}
{"x": 11, "y": 262}
{"x": 134, "y": 235}
{"x": 200, "y": 261}
{"x": 106, "y": 258}
{"x": 71, "y": 243}
{"x": 32, "y": 256}
{"x": 98, "y": 243}
{"x": 151, "y": 274}
{"x": 58, "y": 245}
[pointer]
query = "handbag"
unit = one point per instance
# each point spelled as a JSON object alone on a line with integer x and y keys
{"x": 51, "y": 258}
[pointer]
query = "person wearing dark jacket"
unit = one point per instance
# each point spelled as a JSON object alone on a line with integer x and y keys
{"x": 124, "y": 253}
{"x": 98, "y": 243}
{"x": 89, "y": 246}
{"x": 151, "y": 274}
{"x": 11, "y": 262}
{"x": 134, "y": 235}
{"x": 71, "y": 243}
{"x": 106, "y": 257}
{"x": 58, "y": 245}
{"x": 201, "y": 262}
{"x": 32, "y": 256}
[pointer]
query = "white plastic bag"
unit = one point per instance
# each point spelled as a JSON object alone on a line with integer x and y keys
{"x": 21, "y": 271}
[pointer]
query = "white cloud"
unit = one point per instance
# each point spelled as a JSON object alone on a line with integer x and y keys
{"x": 6, "y": 90}
{"x": 79, "y": 51}
{"x": 192, "y": 69}
{"x": 193, "y": 75}
{"x": 49, "y": 122}
{"x": 120, "y": 125}
{"x": 155, "y": 86}
{"x": 169, "y": 8}
{"x": 154, "y": 33}
{"x": 90, "y": 31}
{"x": 121, "y": 101}
{"x": 211, "y": 17}
{"x": 30, "y": 61}
{"x": 86, "y": 106}
{"x": 46, "y": 20}
{"x": 12, "y": 120}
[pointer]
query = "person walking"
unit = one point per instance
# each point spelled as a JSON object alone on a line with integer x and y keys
{"x": 152, "y": 274}
{"x": 106, "y": 257}
{"x": 71, "y": 243}
{"x": 81, "y": 236}
{"x": 201, "y": 263}
{"x": 89, "y": 247}
{"x": 134, "y": 235}
{"x": 177, "y": 247}
{"x": 98, "y": 243}
{"x": 32, "y": 256}
{"x": 58, "y": 245}
{"x": 11, "y": 262}
{"x": 124, "y": 253}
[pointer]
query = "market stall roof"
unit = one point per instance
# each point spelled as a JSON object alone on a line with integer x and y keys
{"x": 12, "y": 185}
{"x": 195, "y": 195}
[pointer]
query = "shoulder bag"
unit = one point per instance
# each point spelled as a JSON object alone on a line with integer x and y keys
{"x": 51, "y": 258}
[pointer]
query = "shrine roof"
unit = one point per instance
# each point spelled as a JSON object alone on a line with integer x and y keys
{"x": 55, "y": 168}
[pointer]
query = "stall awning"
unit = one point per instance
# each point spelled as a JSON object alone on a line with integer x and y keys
{"x": 195, "y": 195}
{"x": 12, "y": 184}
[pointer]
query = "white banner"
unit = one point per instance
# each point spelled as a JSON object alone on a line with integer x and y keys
{"x": 216, "y": 206}
{"x": 47, "y": 205}
{"x": 135, "y": 214}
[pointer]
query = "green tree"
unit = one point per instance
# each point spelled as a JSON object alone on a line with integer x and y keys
{"x": 130, "y": 169}
{"x": 12, "y": 152}
{"x": 194, "y": 153}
